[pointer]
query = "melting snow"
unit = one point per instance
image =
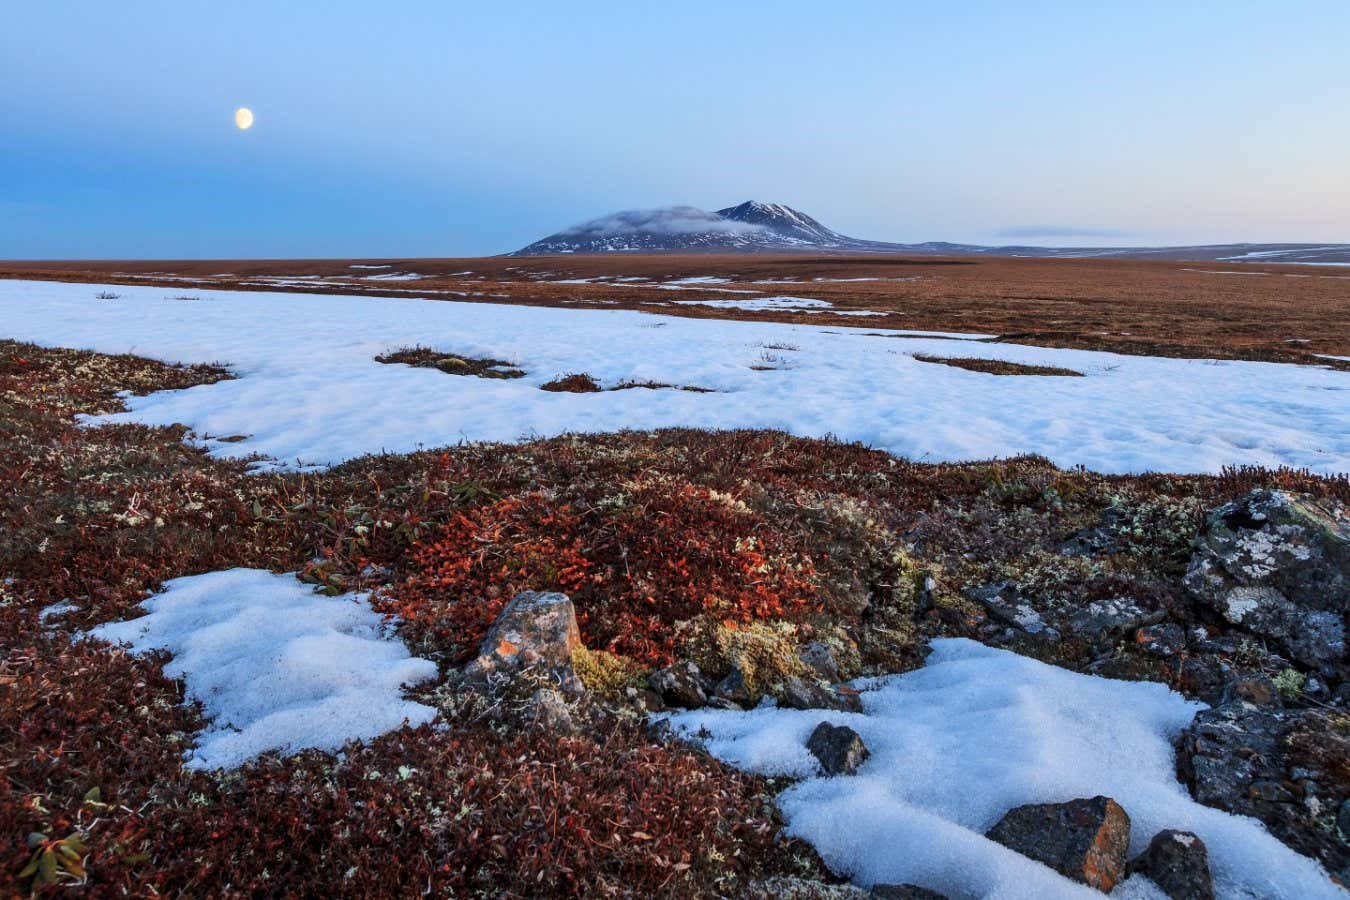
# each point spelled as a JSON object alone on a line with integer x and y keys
{"x": 310, "y": 393}
{"x": 275, "y": 665}
{"x": 975, "y": 732}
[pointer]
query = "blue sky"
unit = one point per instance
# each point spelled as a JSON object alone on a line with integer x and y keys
{"x": 433, "y": 128}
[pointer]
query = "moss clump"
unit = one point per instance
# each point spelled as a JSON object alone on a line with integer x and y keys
{"x": 606, "y": 674}
{"x": 764, "y": 652}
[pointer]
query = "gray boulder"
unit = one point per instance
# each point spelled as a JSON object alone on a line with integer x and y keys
{"x": 535, "y": 634}
{"x": 1278, "y": 565}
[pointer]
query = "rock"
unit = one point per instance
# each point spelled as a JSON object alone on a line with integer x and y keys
{"x": 1003, "y": 603}
{"x": 644, "y": 700}
{"x": 903, "y": 892}
{"x": 789, "y": 887}
{"x": 798, "y": 693}
{"x": 548, "y": 710}
{"x": 839, "y": 748}
{"x": 1278, "y": 565}
{"x": 1086, "y": 840}
{"x": 535, "y": 633}
{"x": 680, "y": 685}
{"x": 1253, "y": 688}
{"x": 1112, "y": 617}
{"x": 1177, "y": 862}
{"x": 1285, "y": 767}
{"x": 1098, "y": 540}
{"x": 733, "y": 689}
{"x": 1161, "y": 640}
{"x": 819, "y": 658}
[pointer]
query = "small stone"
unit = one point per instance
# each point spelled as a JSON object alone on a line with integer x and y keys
{"x": 1177, "y": 862}
{"x": 818, "y": 657}
{"x": 839, "y": 748}
{"x": 903, "y": 892}
{"x": 549, "y": 711}
{"x": 1343, "y": 817}
{"x": 680, "y": 685}
{"x": 1255, "y": 688}
{"x": 798, "y": 693}
{"x": 644, "y": 700}
{"x": 1161, "y": 640}
{"x": 1086, "y": 840}
{"x": 732, "y": 689}
{"x": 1003, "y": 603}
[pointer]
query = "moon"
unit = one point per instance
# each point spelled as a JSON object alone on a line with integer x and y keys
{"x": 243, "y": 118}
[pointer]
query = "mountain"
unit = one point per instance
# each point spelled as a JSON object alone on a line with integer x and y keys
{"x": 755, "y": 227}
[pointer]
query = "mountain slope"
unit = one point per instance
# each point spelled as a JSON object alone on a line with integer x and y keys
{"x": 755, "y": 227}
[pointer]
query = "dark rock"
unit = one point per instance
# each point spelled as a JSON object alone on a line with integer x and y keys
{"x": 1286, "y": 767}
{"x": 1102, "y": 539}
{"x": 1161, "y": 640}
{"x": 732, "y": 689}
{"x": 1086, "y": 840}
{"x": 839, "y": 748}
{"x": 1204, "y": 677}
{"x": 536, "y": 633}
{"x": 818, "y": 657}
{"x": 679, "y": 685}
{"x": 1112, "y": 617}
{"x": 1343, "y": 818}
{"x": 798, "y": 693}
{"x": 903, "y": 892}
{"x": 1177, "y": 862}
{"x": 1004, "y": 603}
{"x": 1278, "y": 565}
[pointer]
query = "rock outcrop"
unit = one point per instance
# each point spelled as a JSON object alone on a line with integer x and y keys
{"x": 1278, "y": 565}
{"x": 1290, "y": 768}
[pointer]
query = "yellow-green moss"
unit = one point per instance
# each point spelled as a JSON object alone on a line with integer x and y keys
{"x": 606, "y": 674}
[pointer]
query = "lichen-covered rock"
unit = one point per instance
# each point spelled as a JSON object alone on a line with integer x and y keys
{"x": 680, "y": 685}
{"x": 1004, "y": 603}
{"x": 1112, "y": 617}
{"x": 839, "y": 748}
{"x": 548, "y": 711}
{"x": 1177, "y": 862}
{"x": 1086, "y": 840}
{"x": 733, "y": 689}
{"x": 789, "y": 887}
{"x": 1278, "y": 565}
{"x": 1290, "y": 768}
{"x": 536, "y": 634}
{"x": 1161, "y": 640}
{"x": 819, "y": 658}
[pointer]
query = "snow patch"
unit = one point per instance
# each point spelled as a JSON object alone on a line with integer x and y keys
{"x": 974, "y": 733}
{"x": 275, "y": 665}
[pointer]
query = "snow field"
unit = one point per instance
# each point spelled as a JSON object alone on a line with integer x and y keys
{"x": 309, "y": 392}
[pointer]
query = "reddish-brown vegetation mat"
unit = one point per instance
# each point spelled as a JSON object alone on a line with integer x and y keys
{"x": 1197, "y": 309}
{"x": 660, "y": 537}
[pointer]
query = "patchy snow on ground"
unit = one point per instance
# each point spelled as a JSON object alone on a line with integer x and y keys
{"x": 275, "y": 665}
{"x": 760, "y": 304}
{"x": 974, "y": 733}
{"x": 309, "y": 391}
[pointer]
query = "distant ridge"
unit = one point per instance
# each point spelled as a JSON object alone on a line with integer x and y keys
{"x": 757, "y": 227}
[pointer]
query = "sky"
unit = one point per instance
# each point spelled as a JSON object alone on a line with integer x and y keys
{"x": 423, "y": 128}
